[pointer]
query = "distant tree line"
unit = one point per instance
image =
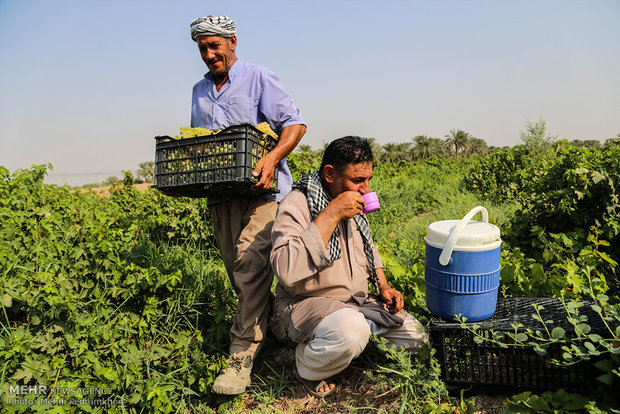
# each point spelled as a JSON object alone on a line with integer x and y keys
{"x": 144, "y": 174}
{"x": 457, "y": 143}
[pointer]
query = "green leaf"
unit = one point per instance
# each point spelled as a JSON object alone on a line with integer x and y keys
{"x": 597, "y": 177}
{"x": 539, "y": 405}
{"x": 607, "y": 379}
{"x": 23, "y": 375}
{"x": 605, "y": 257}
{"x": 540, "y": 350}
{"x": 7, "y": 301}
{"x": 521, "y": 337}
{"x": 606, "y": 365}
{"x": 582, "y": 329}
{"x": 538, "y": 274}
{"x": 602, "y": 298}
{"x": 558, "y": 332}
{"x": 568, "y": 356}
{"x": 478, "y": 339}
{"x": 568, "y": 242}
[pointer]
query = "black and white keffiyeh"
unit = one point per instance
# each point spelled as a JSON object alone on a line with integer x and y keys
{"x": 212, "y": 25}
{"x": 318, "y": 199}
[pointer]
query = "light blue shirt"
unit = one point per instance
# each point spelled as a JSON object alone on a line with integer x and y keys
{"x": 251, "y": 95}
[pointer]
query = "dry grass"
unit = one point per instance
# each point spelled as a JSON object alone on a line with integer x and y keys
{"x": 104, "y": 191}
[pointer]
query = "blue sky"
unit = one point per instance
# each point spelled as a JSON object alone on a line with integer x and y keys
{"x": 86, "y": 85}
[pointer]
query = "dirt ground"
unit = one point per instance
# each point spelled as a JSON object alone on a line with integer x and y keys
{"x": 356, "y": 391}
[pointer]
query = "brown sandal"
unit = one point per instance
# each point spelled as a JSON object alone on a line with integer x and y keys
{"x": 313, "y": 387}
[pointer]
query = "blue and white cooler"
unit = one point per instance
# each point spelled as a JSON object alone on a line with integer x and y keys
{"x": 462, "y": 267}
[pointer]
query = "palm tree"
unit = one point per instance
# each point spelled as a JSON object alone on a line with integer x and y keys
{"x": 319, "y": 153}
{"x": 613, "y": 141}
{"x": 404, "y": 150}
{"x": 146, "y": 170}
{"x": 375, "y": 147}
{"x": 389, "y": 152}
{"x": 588, "y": 143}
{"x": 111, "y": 180}
{"x": 457, "y": 139}
{"x": 393, "y": 152}
{"x": 425, "y": 147}
{"x": 477, "y": 146}
{"x": 304, "y": 148}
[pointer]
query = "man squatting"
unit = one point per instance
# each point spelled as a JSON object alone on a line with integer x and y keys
{"x": 323, "y": 257}
{"x": 234, "y": 92}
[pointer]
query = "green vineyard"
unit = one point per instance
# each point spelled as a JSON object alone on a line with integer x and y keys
{"x": 126, "y": 300}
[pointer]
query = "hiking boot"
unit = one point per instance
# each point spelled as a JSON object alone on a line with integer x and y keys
{"x": 236, "y": 377}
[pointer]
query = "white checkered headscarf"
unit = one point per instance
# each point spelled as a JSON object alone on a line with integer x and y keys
{"x": 212, "y": 25}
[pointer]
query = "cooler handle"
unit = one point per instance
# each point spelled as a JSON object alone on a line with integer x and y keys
{"x": 444, "y": 258}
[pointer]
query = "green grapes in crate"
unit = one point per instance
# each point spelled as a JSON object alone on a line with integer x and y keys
{"x": 266, "y": 129}
{"x": 189, "y": 132}
{"x": 210, "y": 155}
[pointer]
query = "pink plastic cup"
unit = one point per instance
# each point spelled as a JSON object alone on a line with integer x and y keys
{"x": 372, "y": 202}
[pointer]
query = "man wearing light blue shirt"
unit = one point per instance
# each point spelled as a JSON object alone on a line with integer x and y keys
{"x": 234, "y": 92}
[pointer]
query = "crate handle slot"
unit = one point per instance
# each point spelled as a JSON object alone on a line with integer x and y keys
{"x": 444, "y": 258}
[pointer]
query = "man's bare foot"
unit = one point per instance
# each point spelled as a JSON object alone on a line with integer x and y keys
{"x": 321, "y": 388}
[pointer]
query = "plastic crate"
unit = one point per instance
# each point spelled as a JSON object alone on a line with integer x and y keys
{"x": 212, "y": 165}
{"x": 486, "y": 366}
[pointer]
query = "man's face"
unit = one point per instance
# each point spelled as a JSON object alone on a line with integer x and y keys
{"x": 218, "y": 53}
{"x": 355, "y": 177}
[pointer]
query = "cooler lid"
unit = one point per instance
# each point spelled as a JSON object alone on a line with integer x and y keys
{"x": 474, "y": 234}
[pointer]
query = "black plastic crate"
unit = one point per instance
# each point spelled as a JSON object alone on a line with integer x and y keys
{"x": 488, "y": 366}
{"x": 212, "y": 165}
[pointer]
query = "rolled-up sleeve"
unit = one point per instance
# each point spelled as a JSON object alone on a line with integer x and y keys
{"x": 276, "y": 105}
{"x": 378, "y": 261}
{"x": 298, "y": 250}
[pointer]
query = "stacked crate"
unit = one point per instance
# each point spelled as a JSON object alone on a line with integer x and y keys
{"x": 484, "y": 364}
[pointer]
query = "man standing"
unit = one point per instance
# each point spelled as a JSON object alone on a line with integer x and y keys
{"x": 234, "y": 92}
{"x": 323, "y": 257}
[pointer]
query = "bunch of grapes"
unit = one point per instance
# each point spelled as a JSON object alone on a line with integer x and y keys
{"x": 189, "y": 132}
{"x": 266, "y": 129}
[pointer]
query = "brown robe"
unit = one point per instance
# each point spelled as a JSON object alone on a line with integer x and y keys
{"x": 311, "y": 285}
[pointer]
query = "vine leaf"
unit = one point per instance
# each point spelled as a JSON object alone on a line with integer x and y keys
{"x": 558, "y": 332}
